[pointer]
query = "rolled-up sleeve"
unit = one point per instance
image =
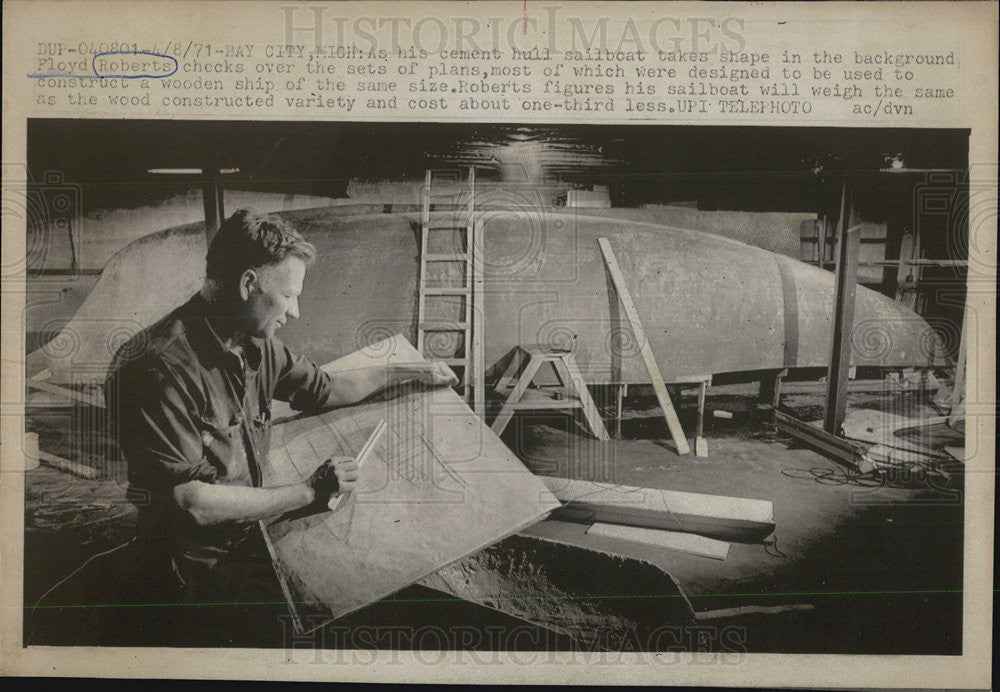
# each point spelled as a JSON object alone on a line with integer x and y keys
{"x": 300, "y": 382}
{"x": 160, "y": 440}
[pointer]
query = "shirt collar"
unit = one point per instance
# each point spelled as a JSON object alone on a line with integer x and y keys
{"x": 203, "y": 314}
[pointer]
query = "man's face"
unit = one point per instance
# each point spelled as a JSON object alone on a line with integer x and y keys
{"x": 271, "y": 296}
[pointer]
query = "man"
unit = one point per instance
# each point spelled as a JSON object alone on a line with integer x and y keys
{"x": 193, "y": 395}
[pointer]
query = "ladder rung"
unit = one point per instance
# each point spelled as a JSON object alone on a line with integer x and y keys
{"x": 539, "y": 398}
{"x": 446, "y": 227}
{"x": 538, "y": 405}
{"x": 447, "y": 291}
{"x": 444, "y": 326}
{"x": 461, "y": 257}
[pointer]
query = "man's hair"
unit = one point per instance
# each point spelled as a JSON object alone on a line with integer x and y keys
{"x": 247, "y": 240}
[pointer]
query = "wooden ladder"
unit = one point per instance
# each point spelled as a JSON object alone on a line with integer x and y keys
{"x": 572, "y": 393}
{"x": 467, "y": 329}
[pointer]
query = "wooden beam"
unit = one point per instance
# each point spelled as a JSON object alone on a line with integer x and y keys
{"x": 509, "y": 406}
{"x": 700, "y": 443}
{"x": 478, "y": 309}
{"x": 743, "y": 611}
{"x": 659, "y": 538}
{"x": 848, "y": 245}
{"x": 621, "y": 286}
{"x": 76, "y": 468}
{"x": 829, "y": 445}
{"x": 715, "y": 516}
{"x": 212, "y": 200}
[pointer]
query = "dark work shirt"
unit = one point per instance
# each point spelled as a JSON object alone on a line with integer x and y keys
{"x": 189, "y": 409}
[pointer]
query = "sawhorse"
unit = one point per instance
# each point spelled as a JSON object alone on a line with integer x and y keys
{"x": 572, "y": 393}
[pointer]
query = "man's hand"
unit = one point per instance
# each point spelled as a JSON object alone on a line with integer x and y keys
{"x": 435, "y": 374}
{"x": 335, "y": 476}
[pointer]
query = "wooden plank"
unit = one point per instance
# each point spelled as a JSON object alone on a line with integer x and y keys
{"x": 422, "y": 266}
{"x": 68, "y": 466}
{"x": 659, "y": 538}
{"x": 509, "y": 377}
{"x": 831, "y": 446}
{"x": 439, "y": 487}
{"x": 532, "y": 401}
{"x": 621, "y": 391}
{"x": 743, "y": 611}
{"x": 715, "y": 516}
{"x": 676, "y": 432}
{"x": 700, "y": 443}
{"x": 478, "y": 314}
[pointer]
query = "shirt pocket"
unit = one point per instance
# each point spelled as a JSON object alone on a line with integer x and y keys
{"x": 222, "y": 445}
{"x": 261, "y": 428}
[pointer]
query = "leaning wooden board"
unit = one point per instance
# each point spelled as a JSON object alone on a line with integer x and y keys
{"x": 715, "y": 516}
{"x": 438, "y": 487}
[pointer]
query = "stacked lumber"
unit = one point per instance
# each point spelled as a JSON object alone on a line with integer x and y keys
{"x": 690, "y": 522}
{"x": 672, "y": 540}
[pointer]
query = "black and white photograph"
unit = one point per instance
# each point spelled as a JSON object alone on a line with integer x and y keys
{"x": 495, "y": 386}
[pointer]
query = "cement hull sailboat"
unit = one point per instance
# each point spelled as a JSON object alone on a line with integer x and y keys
{"x": 708, "y": 304}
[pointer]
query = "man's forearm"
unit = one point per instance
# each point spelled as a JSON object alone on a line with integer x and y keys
{"x": 209, "y": 504}
{"x": 352, "y": 386}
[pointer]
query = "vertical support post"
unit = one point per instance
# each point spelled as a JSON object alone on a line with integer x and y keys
{"x": 425, "y": 216}
{"x": 821, "y": 232}
{"x": 621, "y": 393}
{"x": 848, "y": 246}
{"x": 472, "y": 190}
{"x": 770, "y": 387}
{"x": 212, "y": 197}
{"x": 74, "y": 259}
{"x": 956, "y": 405}
{"x": 221, "y": 203}
{"x": 700, "y": 443}
{"x": 478, "y": 320}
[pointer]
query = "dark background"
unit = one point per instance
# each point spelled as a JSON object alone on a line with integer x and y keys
{"x": 736, "y": 168}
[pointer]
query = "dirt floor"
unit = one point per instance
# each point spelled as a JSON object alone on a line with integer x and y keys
{"x": 878, "y": 560}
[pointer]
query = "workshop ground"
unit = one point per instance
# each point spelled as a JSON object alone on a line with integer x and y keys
{"x": 879, "y": 561}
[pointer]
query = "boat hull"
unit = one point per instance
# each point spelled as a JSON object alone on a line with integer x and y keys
{"x": 708, "y": 304}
